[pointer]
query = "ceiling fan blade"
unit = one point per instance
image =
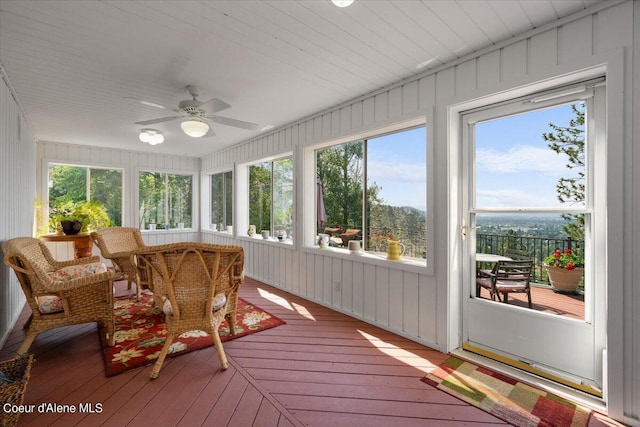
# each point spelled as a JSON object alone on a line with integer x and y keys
{"x": 154, "y": 121}
{"x": 149, "y": 103}
{"x": 235, "y": 123}
{"x": 209, "y": 133}
{"x": 214, "y": 105}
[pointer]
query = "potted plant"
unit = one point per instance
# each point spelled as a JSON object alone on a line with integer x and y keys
{"x": 565, "y": 269}
{"x": 73, "y": 218}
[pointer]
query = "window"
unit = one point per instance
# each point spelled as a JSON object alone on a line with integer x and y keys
{"x": 71, "y": 186}
{"x": 374, "y": 189}
{"x": 221, "y": 201}
{"x": 165, "y": 200}
{"x": 271, "y": 197}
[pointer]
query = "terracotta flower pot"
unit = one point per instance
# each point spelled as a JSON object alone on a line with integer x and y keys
{"x": 564, "y": 280}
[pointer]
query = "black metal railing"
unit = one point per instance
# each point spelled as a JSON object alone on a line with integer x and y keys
{"x": 521, "y": 247}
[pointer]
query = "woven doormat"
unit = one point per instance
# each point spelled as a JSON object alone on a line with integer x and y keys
{"x": 506, "y": 398}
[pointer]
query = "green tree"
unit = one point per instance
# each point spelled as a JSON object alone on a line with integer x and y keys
{"x": 340, "y": 170}
{"x": 569, "y": 140}
{"x": 68, "y": 185}
{"x": 151, "y": 190}
{"x": 260, "y": 196}
{"x": 106, "y": 187}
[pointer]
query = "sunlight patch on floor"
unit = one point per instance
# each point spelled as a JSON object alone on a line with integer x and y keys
{"x": 400, "y": 354}
{"x": 275, "y": 299}
{"x": 302, "y": 310}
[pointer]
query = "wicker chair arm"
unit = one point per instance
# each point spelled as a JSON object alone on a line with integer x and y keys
{"x": 116, "y": 255}
{"x": 8, "y": 260}
{"x": 78, "y": 261}
{"x": 80, "y": 282}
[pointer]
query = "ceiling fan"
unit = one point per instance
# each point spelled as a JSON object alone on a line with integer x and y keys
{"x": 197, "y": 115}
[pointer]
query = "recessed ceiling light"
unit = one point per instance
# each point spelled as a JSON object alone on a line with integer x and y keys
{"x": 267, "y": 127}
{"x": 424, "y": 64}
{"x": 342, "y": 3}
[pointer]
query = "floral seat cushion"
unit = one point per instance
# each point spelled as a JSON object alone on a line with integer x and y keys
{"x": 49, "y": 304}
{"x": 218, "y": 302}
{"x": 75, "y": 271}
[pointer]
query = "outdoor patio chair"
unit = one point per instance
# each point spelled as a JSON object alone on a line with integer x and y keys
{"x": 60, "y": 293}
{"x": 507, "y": 277}
{"x": 200, "y": 283}
{"x": 350, "y": 234}
{"x": 116, "y": 245}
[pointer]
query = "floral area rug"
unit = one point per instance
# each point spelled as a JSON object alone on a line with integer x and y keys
{"x": 506, "y": 398}
{"x": 140, "y": 332}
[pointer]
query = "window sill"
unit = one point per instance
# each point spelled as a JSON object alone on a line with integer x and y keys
{"x": 270, "y": 240}
{"x": 171, "y": 230}
{"x": 405, "y": 264}
{"x": 218, "y": 233}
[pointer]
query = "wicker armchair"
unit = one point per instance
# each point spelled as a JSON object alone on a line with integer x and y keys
{"x": 199, "y": 282}
{"x": 116, "y": 245}
{"x": 60, "y": 293}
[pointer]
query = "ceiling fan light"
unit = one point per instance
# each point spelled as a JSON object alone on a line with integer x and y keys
{"x": 151, "y": 136}
{"x": 194, "y": 128}
{"x": 144, "y": 136}
{"x": 156, "y": 139}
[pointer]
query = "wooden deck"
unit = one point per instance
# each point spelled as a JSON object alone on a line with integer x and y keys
{"x": 545, "y": 300}
{"x": 320, "y": 369}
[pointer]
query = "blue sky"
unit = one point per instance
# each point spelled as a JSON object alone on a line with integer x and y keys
{"x": 397, "y": 163}
{"x": 514, "y": 166}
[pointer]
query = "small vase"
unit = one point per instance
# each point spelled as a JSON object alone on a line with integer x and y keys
{"x": 564, "y": 280}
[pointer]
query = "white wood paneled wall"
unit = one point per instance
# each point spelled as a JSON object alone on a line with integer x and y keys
{"x": 414, "y": 304}
{"x": 18, "y": 189}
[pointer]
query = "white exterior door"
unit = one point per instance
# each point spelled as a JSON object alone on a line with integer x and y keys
{"x": 523, "y": 198}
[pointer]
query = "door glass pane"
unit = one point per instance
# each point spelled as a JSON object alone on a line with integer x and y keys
{"x": 533, "y": 160}
{"x": 520, "y": 160}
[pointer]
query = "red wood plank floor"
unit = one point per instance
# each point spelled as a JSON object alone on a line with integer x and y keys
{"x": 320, "y": 369}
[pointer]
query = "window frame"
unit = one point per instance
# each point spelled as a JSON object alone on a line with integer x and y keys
{"x": 194, "y": 198}
{"x": 309, "y": 235}
{"x": 205, "y": 199}
{"x": 241, "y": 197}
{"x": 44, "y": 217}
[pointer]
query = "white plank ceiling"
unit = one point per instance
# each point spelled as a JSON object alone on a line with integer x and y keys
{"x": 73, "y": 63}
